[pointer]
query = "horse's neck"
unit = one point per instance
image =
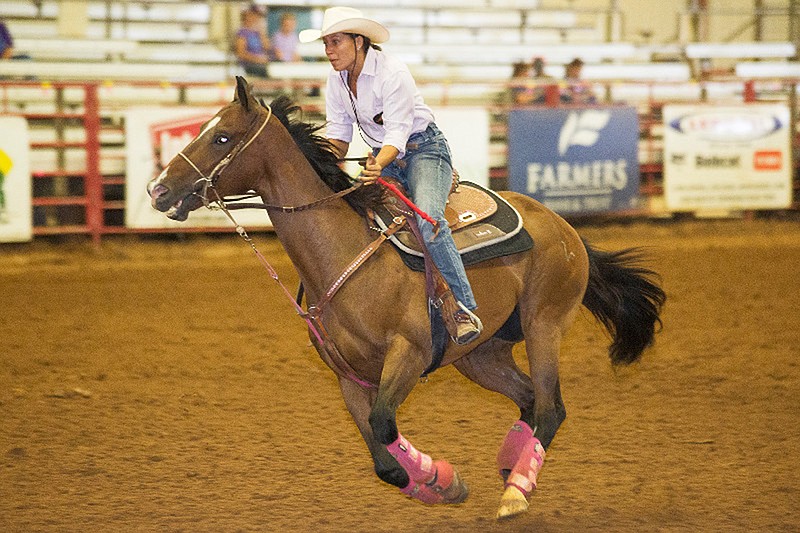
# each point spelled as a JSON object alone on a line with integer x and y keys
{"x": 320, "y": 241}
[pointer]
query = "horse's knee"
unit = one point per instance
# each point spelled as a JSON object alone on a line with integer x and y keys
{"x": 384, "y": 426}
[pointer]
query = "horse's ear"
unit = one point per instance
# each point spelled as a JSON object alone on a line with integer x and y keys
{"x": 243, "y": 93}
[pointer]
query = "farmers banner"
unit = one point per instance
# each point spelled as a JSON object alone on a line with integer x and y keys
{"x": 731, "y": 157}
{"x": 16, "y": 217}
{"x": 575, "y": 160}
{"x": 153, "y": 137}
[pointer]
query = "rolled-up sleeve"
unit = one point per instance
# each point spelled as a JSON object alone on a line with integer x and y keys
{"x": 398, "y": 109}
{"x": 339, "y": 124}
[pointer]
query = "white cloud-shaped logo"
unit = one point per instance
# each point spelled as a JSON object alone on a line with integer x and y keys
{"x": 582, "y": 129}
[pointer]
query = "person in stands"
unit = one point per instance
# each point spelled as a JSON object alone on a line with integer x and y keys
{"x": 252, "y": 45}
{"x": 541, "y": 78}
{"x": 285, "y": 41}
{"x": 577, "y": 91}
{"x": 377, "y": 92}
{"x": 6, "y": 42}
{"x": 521, "y": 91}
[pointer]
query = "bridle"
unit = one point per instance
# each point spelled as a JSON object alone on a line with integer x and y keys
{"x": 210, "y": 180}
{"x": 218, "y": 202}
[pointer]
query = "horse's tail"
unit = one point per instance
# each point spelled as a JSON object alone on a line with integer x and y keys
{"x": 625, "y": 297}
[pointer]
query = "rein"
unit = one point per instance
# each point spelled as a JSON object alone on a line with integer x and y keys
{"x": 312, "y": 317}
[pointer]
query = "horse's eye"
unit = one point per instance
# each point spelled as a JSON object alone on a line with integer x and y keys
{"x": 221, "y": 139}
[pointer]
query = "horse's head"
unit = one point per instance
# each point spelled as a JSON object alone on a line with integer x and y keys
{"x": 185, "y": 183}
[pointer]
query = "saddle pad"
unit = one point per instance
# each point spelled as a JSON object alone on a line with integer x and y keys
{"x": 498, "y": 235}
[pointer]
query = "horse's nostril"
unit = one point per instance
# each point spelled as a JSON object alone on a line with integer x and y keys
{"x": 157, "y": 190}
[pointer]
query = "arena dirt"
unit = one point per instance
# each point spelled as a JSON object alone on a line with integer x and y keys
{"x": 166, "y": 385}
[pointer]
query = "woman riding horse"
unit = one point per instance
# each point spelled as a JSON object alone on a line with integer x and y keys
{"x": 377, "y": 92}
{"x": 382, "y": 340}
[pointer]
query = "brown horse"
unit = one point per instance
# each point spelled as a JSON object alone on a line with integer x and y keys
{"x": 377, "y": 319}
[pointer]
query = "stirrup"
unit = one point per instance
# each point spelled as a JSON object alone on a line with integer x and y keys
{"x": 474, "y": 332}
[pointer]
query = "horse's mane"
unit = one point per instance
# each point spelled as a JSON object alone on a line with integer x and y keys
{"x": 319, "y": 152}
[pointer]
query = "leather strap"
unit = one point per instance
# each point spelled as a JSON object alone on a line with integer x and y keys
{"x": 327, "y": 348}
{"x": 366, "y": 253}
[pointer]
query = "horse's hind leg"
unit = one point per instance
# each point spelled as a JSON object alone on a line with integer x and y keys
{"x": 528, "y": 439}
{"x": 492, "y": 366}
{"x": 521, "y": 455}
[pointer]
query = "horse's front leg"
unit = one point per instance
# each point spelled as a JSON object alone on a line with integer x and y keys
{"x": 427, "y": 480}
{"x": 359, "y": 402}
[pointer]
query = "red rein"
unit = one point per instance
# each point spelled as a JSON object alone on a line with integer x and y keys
{"x": 407, "y": 201}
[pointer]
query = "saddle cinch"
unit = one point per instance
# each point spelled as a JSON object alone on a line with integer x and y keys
{"x": 483, "y": 224}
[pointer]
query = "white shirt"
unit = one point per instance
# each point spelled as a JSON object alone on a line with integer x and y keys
{"x": 386, "y": 86}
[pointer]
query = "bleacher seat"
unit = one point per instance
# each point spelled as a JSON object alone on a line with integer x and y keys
{"x": 637, "y": 71}
{"x": 95, "y": 71}
{"x": 768, "y": 69}
{"x": 70, "y": 49}
{"x": 740, "y": 50}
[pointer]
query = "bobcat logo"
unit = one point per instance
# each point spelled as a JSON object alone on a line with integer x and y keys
{"x": 582, "y": 129}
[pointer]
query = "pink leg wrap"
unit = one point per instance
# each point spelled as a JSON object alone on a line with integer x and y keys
{"x": 520, "y": 457}
{"x": 523, "y": 476}
{"x": 418, "y": 465}
{"x": 519, "y": 435}
{"x": 432, "y": 493}
{"x": 428, "y": 478}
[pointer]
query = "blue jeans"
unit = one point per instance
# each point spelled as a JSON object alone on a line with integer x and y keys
{"x": 426, "y": 172}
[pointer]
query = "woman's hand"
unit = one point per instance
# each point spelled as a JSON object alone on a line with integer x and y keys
{"x": 372, "y": 170}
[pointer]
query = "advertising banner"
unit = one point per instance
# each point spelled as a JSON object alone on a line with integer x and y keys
{"x": 575, "y": 160}
{"x": 16, "y": 216}
{"x": 731, "y": 157}
{"x": 153, "y": 137}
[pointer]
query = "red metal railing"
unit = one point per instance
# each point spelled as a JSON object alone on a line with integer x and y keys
{"x": 93, "y": 207}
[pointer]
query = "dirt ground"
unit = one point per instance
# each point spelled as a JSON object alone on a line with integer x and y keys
{"x": 160, "y": 384}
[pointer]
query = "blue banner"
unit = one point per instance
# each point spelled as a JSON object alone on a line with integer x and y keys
{"x": 575, "y": 160}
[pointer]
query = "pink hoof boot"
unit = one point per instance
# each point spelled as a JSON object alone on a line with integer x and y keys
{"x": 418, "y": 465}
{"x": 514, "y": 443}
{"x": 429, "y": 481}
{"x": 523, "y": 475}
{"x": 445, "y": 487}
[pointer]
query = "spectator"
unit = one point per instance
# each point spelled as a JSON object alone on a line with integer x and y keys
{"x": 6, "y": 42}
{"x": 285, "y": 41}
{"x": 252, "y": 44}
{"x": 577, "y": 90}
{"x": 521, "y": 90}
{"x": 539, "y": 91}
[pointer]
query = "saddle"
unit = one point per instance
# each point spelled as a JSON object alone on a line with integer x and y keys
{"x": 484, "y": 226}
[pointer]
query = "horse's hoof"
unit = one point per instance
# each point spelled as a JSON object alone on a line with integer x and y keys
{"x": 512, "y": 503}
{"x": 457, "y": 492}
{"x": 454, "y": 489}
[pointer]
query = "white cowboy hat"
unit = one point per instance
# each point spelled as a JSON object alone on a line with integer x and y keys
{"x": 348, "y": 20}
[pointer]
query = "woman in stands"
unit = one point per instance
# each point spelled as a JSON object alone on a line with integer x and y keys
{"x": 6, "y": 42}
{"x": 577, "y": 90}
{"x": 378, "y": 93}
{"x": 252, "y": 44}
